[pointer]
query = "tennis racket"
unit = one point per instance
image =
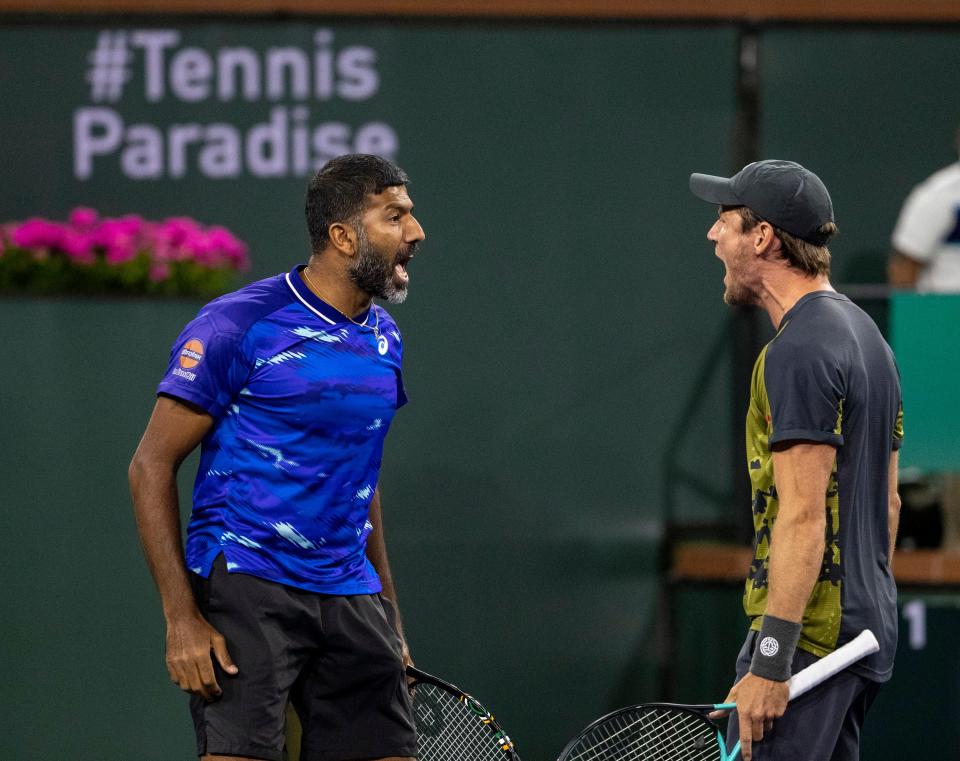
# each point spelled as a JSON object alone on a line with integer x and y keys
{"x": 668, "y": 732}
{"x": 453, "y": 726}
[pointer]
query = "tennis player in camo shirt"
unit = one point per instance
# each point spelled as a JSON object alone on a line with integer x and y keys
{"x": 824, "y": 427}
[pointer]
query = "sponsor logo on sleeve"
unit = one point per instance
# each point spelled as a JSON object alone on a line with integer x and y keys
{"x": 191, "y": 355}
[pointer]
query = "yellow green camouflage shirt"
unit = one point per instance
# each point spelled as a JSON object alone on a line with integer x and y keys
{"x": 829, "y": 377}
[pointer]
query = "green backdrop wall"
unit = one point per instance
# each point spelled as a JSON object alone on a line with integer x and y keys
{"x": 563, "y": 304}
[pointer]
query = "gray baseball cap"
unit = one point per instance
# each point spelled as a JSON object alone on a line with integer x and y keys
{"x": 781, "y": 192}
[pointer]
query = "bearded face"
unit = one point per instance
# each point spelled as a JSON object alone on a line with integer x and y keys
{"x": 737, "y": 288}
{"x": 382, "y": 273}
{"x": 733, "y": 247}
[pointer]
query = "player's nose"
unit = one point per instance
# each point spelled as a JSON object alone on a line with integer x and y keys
{"x": 414, "y": 232}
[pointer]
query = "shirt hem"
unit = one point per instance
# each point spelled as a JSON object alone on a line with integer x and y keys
{"x": 802, "y": 434}
{"x": 167, "y": 388}
{"x": 373, "y": 586}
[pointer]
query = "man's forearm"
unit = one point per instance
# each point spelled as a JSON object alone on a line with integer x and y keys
{"x": 796, "y": 556}
{"x": 156, "y": 506}
{"x": 802, "y": 473}
{"x": 377, "y": 555}
{"x": 893, "y": 503}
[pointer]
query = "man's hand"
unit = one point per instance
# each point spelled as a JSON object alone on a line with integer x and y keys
{"x": 189, "y": 642}
{"x": 759, "y": 701}
{"x": 405, "y": 652}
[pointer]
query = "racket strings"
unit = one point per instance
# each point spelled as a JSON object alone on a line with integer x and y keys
{"x": 448, "y": 730}
{"x": 654, "y": 734}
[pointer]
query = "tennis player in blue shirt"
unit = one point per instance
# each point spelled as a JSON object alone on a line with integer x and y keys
{"x": 284, "y": 591}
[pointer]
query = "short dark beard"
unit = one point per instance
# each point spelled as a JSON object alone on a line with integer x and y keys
{"x": 737, "y": 294}
{"x": 741, "y": 297}
{"x": 373, "y": 274}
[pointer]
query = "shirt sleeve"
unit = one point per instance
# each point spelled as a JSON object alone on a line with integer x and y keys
{"x": 207, "y": 365}
{"x": 898, "y": 430}
{"x": 805, "y": 393}
{"x": 924, "y": 222}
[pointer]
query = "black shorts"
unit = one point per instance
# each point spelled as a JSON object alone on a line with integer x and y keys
{"x": 336, "y": 658}
{"x": 823, "y": 725}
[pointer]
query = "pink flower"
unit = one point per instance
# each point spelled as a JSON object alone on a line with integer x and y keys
{"x": 178, "y": 229}
{"x": 132, "y": 224}
{"x": 88, "y": 239}
{"x": 78, "y": 246}
{"x": 115, "y": 238}
{"x": 83, "y": 218}
{"x": 159, "y": 272}
{"x": 119, "y": 254}
{"x": 172, "y": 238}
{"x": 37, "y": 233}
{"x": 232, "y": 249}
{"x": 199, "y": 245}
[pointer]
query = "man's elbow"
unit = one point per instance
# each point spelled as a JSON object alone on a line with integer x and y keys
{"x": 893, "y": 507}
{"x": 807, "y": 513}
{"x": 144, "y": 469}
{"x": 136, "y": 472}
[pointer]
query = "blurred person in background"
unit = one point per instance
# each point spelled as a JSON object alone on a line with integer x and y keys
{"x": 926, "y": 240}
{"x": 925, "y": 257}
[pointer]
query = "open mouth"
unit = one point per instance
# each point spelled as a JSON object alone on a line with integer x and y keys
{"x": 400, "y": 267}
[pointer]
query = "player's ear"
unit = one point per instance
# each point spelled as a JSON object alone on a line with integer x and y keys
{"x": 343, "y": 237}
{"x": 765, "y": 238}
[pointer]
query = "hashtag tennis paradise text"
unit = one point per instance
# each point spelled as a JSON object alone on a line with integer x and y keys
{"x": 146, "y": 67}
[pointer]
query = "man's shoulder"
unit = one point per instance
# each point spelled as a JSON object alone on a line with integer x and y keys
{"x": 830, "y": 329}
{"x": 814, "y": 320}
{"x": 238, "y": 310}
{"x": 817, "y": 334}
{"x": 944, "y": 181}
{"x": 797, "y": 344}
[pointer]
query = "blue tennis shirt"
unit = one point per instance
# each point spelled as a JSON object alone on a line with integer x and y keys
{"x": 302, "y": 399}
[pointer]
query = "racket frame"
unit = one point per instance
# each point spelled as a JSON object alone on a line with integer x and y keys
{"x": 484, "y": 716}
{"x": 700, "y": 711}
{"x": 803, "y": 681}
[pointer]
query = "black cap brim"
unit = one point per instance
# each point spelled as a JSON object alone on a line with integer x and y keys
{"x": 718, "y": 190}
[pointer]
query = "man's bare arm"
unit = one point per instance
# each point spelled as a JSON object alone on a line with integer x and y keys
{"x": 173, "y": 432}
{"x": 893, "y": 501}
{"x": 802, "y": 473}
{"x": 377, "y": 554}
{"x": 903, "y": 270}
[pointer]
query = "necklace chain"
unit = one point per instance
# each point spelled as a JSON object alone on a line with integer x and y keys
{"x": 375, "y": 327}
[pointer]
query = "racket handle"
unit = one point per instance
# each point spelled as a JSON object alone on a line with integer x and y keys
{"x": 860, "y": 646}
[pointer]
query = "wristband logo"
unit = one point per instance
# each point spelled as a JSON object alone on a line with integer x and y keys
{"x": 192, "y": 354}
{"x": 769, "y": 647}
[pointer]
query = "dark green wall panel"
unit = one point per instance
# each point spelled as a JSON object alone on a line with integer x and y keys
{"x": 563, "y": 301}
{"x": 872, "y": 112}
